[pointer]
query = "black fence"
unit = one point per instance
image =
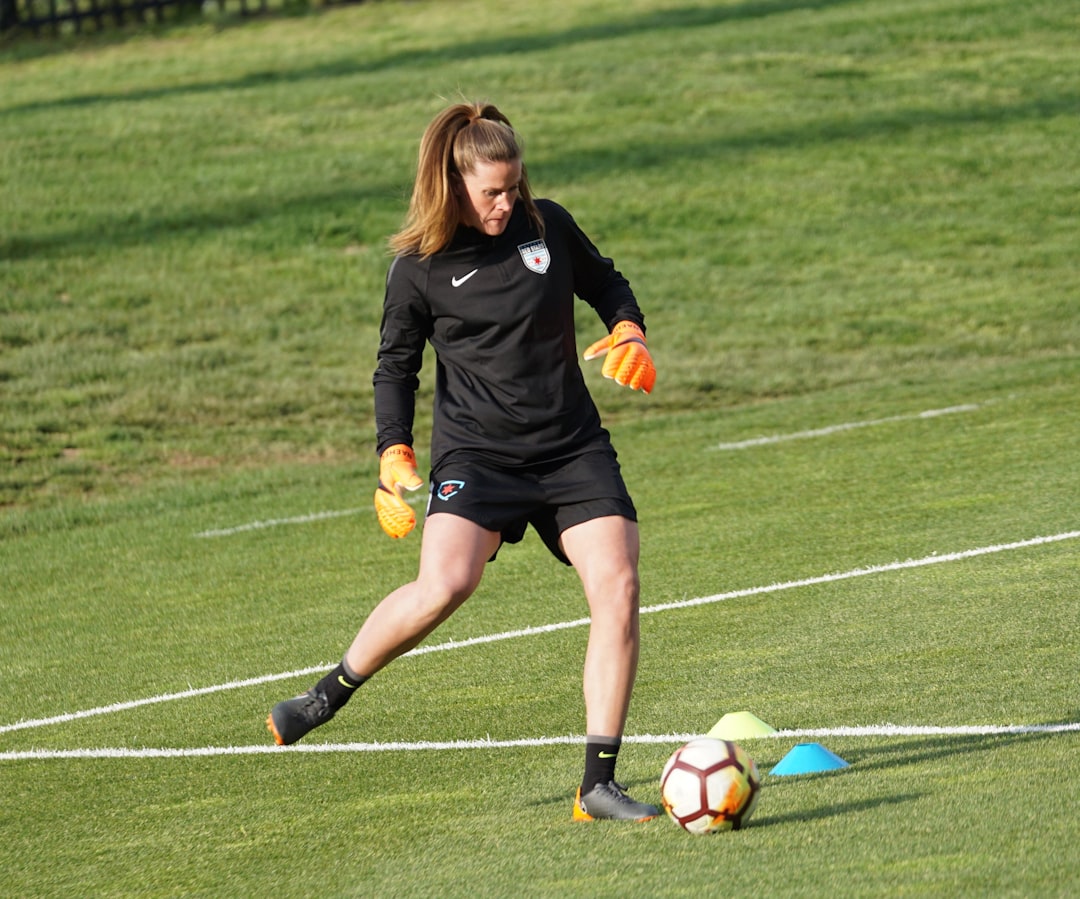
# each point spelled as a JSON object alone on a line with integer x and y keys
{"x": 57, "y": 17}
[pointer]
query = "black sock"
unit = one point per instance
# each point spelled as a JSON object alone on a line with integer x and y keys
{"x": 601, "y": 753}
{"x": 339, "y": 685}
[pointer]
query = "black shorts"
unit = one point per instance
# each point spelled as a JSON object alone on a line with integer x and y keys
{"x": 550, "y": 497}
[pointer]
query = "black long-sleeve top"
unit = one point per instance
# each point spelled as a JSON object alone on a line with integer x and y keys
{"x": 499, "y": 314}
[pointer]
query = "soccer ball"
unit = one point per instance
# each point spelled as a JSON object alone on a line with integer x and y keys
{"x": 710, "y": 785}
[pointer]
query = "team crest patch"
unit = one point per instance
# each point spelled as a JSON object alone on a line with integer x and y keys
{"x": 448, "y": 489}
{"x": 535, "y": 255}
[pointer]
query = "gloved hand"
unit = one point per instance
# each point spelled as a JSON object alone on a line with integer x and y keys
{"x": 397, "y": 470}
{"x": 628, "y": 360}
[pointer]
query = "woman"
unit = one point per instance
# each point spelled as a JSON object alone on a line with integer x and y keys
{"x": 488, "y": 275}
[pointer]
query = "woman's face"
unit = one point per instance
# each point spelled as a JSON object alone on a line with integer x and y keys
{"x": 488, "y": 194}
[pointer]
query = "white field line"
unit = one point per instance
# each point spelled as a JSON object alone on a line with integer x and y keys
{"x": 297, "y": 519}
{"x": 848, "y": 426}
{"x": 276, "y": 522}
{"x": 877, "y": 730}
{"x": 935, "y": 559}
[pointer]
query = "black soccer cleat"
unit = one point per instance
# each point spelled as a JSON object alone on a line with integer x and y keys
{"x": 610, "y": 801}
{"x": 292, "y": 718}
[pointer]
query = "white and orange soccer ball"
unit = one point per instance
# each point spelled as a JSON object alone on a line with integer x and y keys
{"x": 710, "y": 785}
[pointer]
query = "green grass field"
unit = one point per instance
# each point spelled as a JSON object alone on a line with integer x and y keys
{"x": 852, "y": 225}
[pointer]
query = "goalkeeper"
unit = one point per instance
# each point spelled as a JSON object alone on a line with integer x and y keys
{"x": 487, "y": 275}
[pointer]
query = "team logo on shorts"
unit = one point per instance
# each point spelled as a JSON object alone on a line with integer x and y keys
{"x": 448, "y": 489}
{"x": 535, "y": 255}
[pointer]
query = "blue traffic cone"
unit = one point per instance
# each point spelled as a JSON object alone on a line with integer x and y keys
{"x": 808, "y": 758}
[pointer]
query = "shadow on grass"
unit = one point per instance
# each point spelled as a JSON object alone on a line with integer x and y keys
{"x": 879, "y": 758}
{"x": 687, "y": 17}
{"x": 916, "y": 751}
{"x": 832, "y": 811}
{"x": 111, "y": 231}
{"x": 885, "y": 757}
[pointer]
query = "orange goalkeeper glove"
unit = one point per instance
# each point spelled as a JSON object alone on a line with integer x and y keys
{"x": 628, "y": 360}
{"x": 397, "y": 470}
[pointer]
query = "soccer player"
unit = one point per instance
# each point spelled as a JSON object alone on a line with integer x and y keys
{"x": 487, "y": 275}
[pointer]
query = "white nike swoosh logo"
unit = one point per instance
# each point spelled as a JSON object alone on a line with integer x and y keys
{"x": 457, "y": 282}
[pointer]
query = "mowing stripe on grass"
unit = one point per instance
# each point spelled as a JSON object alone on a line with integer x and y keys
{"x": 848, "y": 426}
{"x": 878, "y": 730}
{"x": 742, "y": 444}
{"x": 935, "y": 559}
